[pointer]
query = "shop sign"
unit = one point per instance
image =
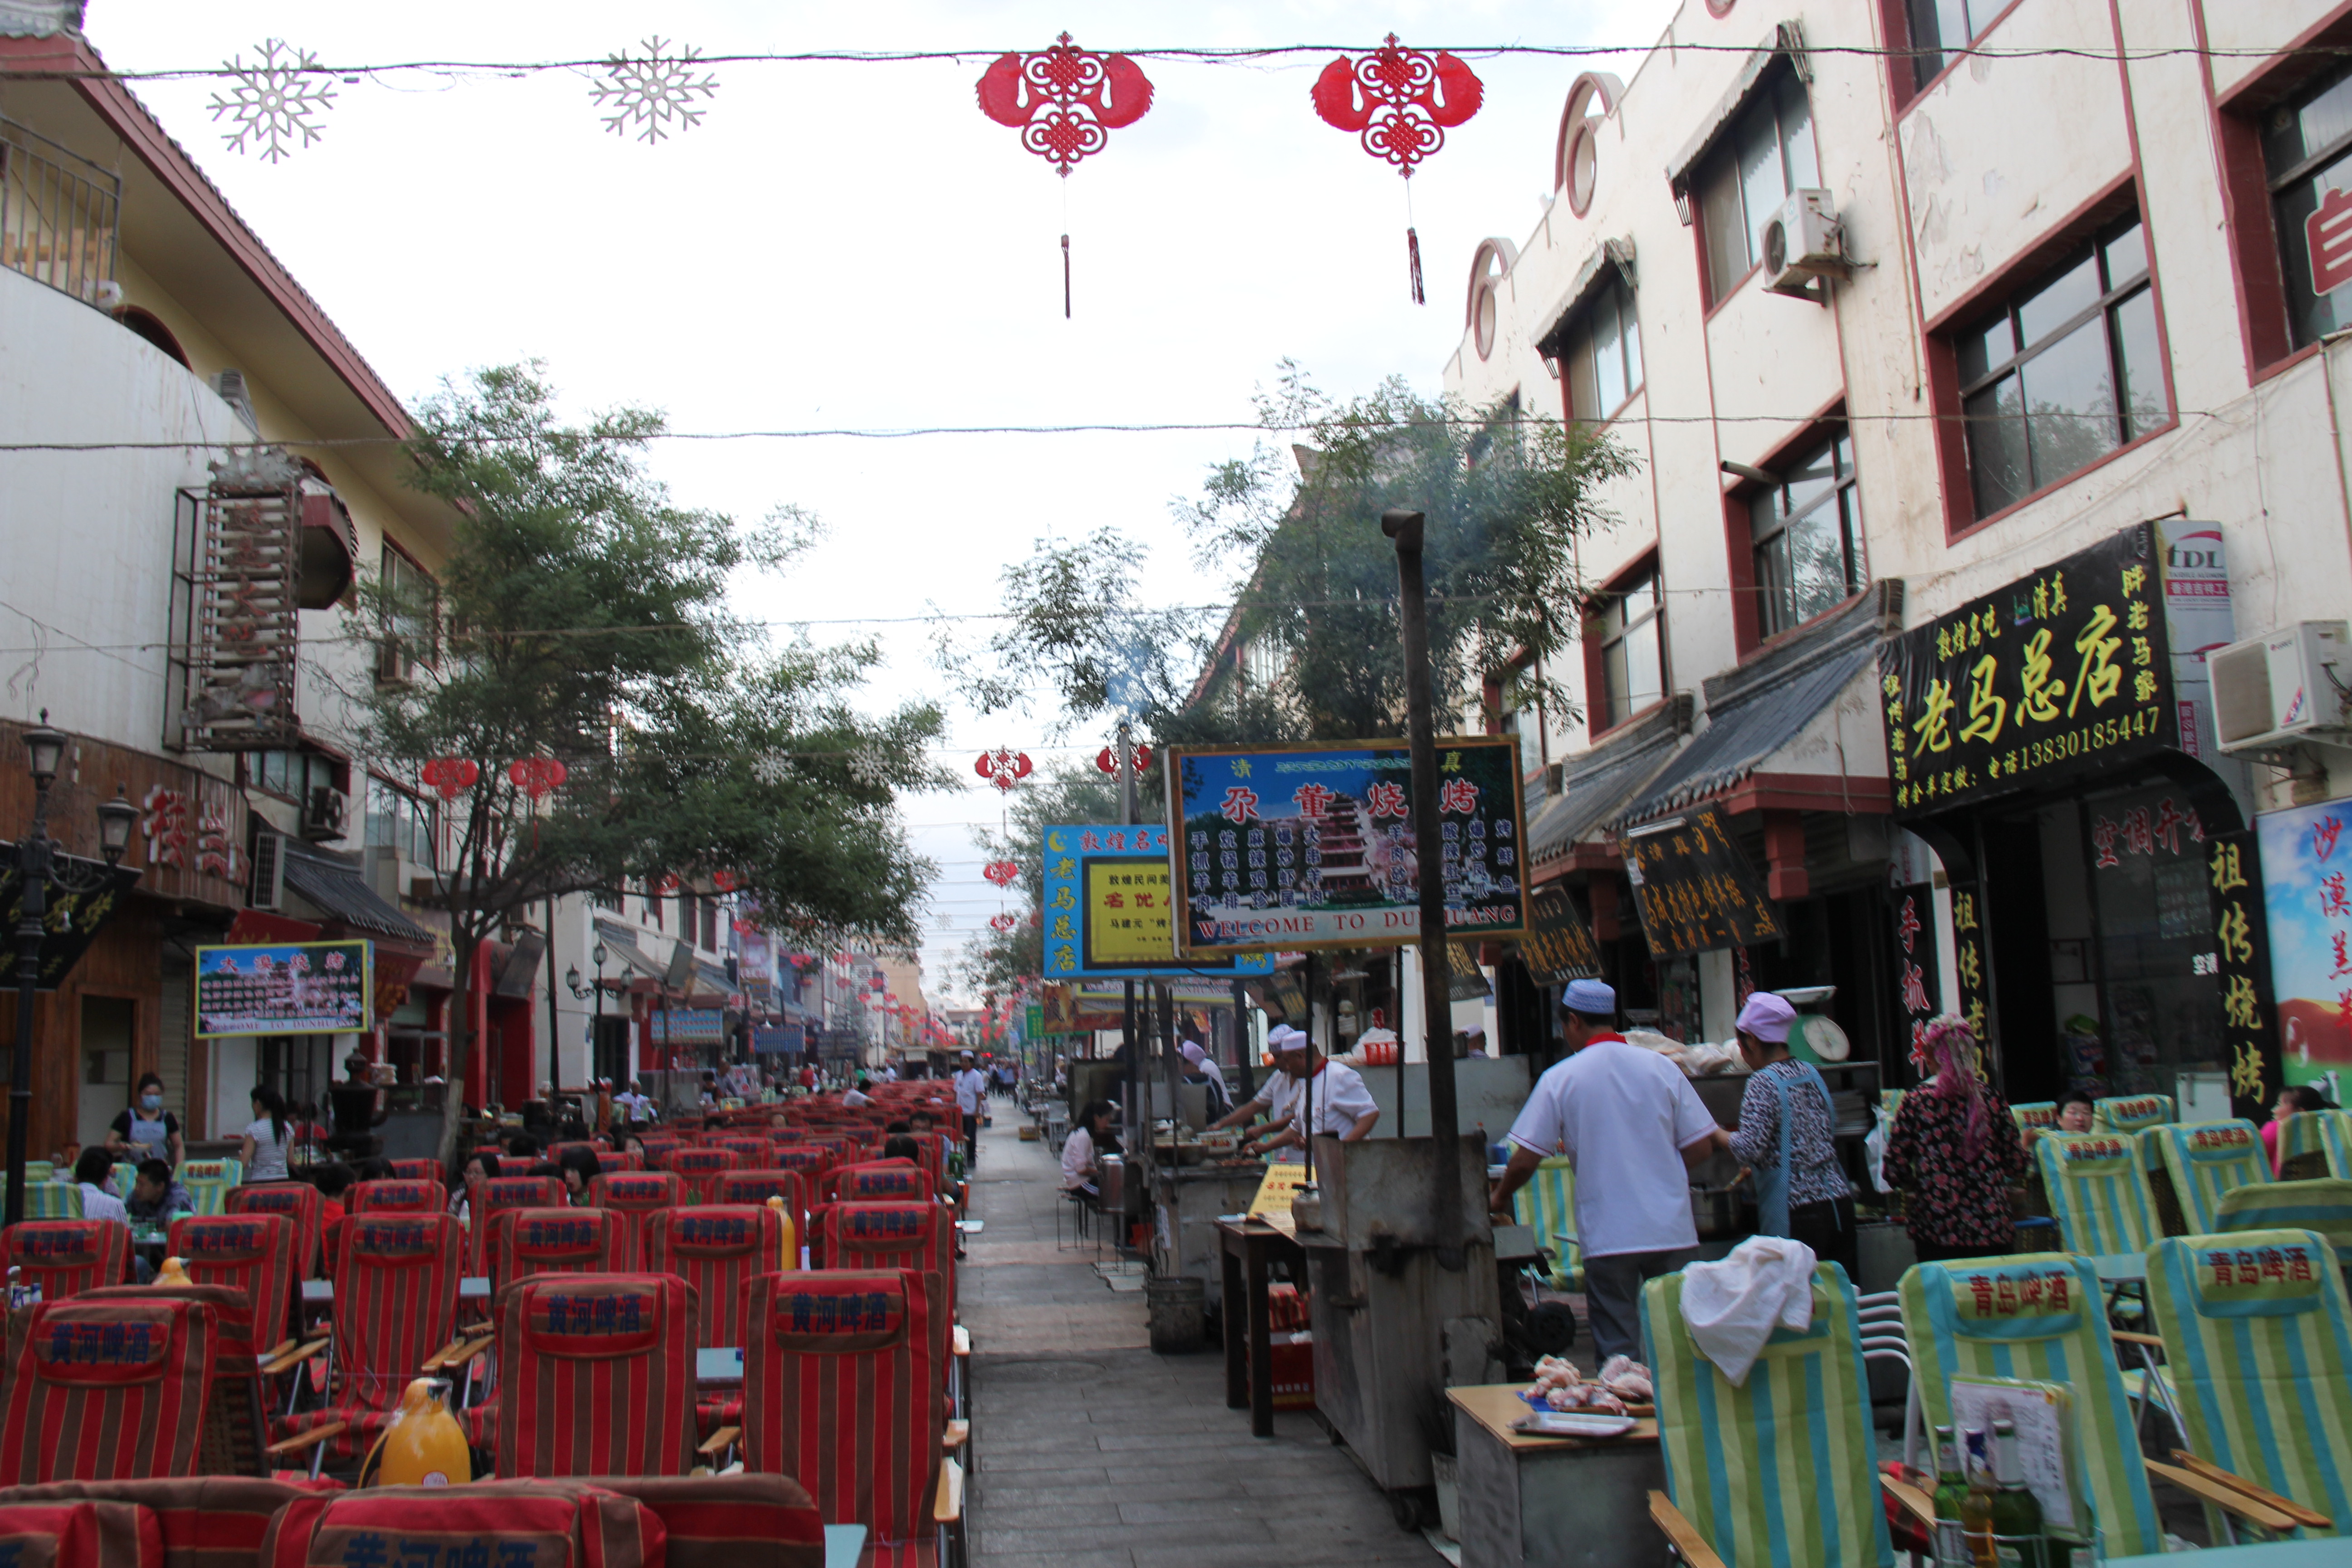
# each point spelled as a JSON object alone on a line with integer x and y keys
{"x": 2070, "y": 665}
{"x": 688, "y": 1026}
{"x": 2198, "y": 620}
{"x": 1108, "y": 909}
{"x": 778, "y": 1039}
{"x": 285, "y": 988}
{"x": 1313, "y": 846}
{"x": 1559, "y": 946}
{"x": 1695, "y": 890}
{"x": 1918, "y": 984}
{"x": 1969, "y": 971}
{"x": 73, "y": 919}
{"x": 2304, "y": 887}
{"x": 1032, "y": 1024}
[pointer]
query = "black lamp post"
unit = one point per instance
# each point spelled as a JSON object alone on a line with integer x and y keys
{"x": 571, "y": 981}
{"x": 39, "y": 866}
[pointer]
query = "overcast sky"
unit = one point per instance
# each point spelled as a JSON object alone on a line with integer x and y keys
{"x": 855, "y": 245}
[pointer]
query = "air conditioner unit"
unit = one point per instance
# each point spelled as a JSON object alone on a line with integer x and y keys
{"x": 2281, "y": 690}
{"x": 1804, "y": 246}
{"x": 323, "y": 814}
{"x": 268, "y": 889}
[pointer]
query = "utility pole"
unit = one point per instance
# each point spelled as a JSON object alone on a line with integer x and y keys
{"x": 1405, "y": 527}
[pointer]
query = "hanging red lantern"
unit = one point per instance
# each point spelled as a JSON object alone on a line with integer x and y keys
{"x": 1002, "y": 873}
{"x": 1003, "y": 922}
{"x": 1004, "y": 767}
{"x": 1400, "y": 103}
{"x": 1066, "y": 102}
{"x": 1108, "y": 760}
{"x": 538, "y": 777}
{"x": 725, "y": 881}
{"x": 665, "y": 886}
{"x": 449, "y": 776}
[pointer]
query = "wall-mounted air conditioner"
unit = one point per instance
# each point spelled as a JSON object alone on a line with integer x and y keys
{"x": 323, "y": 814}
{"x": 2284, "y": 689}
{"x": 1804, "y": 246}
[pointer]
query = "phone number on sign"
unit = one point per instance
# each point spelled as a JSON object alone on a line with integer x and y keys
{"x": 2137, "y": 725}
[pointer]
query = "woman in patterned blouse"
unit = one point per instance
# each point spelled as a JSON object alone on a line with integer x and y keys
{"x": 1955, "y": 1152}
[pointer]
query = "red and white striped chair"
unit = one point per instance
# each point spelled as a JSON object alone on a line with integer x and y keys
{"x": 63, "y": 1257}
{"x": 596, "y": 1376}
{"x": 107, "y": 1390}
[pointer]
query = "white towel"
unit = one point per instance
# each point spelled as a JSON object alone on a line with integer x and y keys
{"x": 1731, "y": 1308}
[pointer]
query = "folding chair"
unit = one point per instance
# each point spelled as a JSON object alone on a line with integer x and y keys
{"x": 2037, "y": 1115}
{"x": 503, "y": 1523}
{"x": 200, "y": 1521}
{"x": 297, "y": 1201}
{"x": 2258, "y": 1335}
{"x": 487, "y": 1196}
{"x": 210, "y": 1183}
{"x": 914, "y": 1235}
{"x": 699, "y": 1167}
{"x": 49, "y": 1200}
{"x": 758, "y": 1186}
{"x": 596, "y": 1376}
{"x": 2130, "y": 1114}
{"x": 2205, "y": 1161}
{"x": 108, "y": 1390}
{"x": 417, "y": 1170}
{"x": 895, "y": 1180}
{"x": 720, "y": 1248}
{"x": 1783, "y": 1470}
{"x": 252, "y": 1255}
{"x": 235, "y": 1436}
{"x": 1547, "y": 1206}
{"x": 632, "y": 1194}
{"x": 528, "y": 1242}
{"x": 842, "y": 1392}
{"x": 736, "y": 1520}
{"x": 398, "y": 1195}
{"x": 395, "y": 1315}
{"x": 2098, "y": 1193}
{"x": 753, "y": 1150}
{"x": 2323, "y": 1205}
{"x": 63, "y": 1258}
{"x": 81, "y": 1533}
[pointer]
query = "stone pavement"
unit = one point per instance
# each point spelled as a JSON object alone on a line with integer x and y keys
{"x": 1095, "y": 1453}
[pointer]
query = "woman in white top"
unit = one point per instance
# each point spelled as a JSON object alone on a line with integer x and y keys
{"x": 1078, "y": 1150}
{"x": 263, "y": 1153}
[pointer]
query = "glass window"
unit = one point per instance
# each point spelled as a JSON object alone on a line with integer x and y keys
{"x": 1601, "y": 362}
{"x": 1939, "y": 26}
{"x": 1631, "y": 629}
{"x": 398, "y": 820}
{"x": 1806, "y": 533}
{"x": 293, "y": 774}
{"x": 2307, "y": 152}
{"x": 413, "y": 598}
{"x": 2063, "y": 373}
{"x": 1766, "y": 153}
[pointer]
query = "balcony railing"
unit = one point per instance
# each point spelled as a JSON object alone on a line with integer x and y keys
{"x": 57, "y": 215}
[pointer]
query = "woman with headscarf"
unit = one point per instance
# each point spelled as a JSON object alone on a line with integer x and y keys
{"x": 1954, "y": 1152}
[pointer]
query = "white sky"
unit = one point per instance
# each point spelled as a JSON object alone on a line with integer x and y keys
{"x": 858, "y": 245}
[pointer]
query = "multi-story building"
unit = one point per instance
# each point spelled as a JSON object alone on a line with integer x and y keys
{"x": 1982, "y": 361}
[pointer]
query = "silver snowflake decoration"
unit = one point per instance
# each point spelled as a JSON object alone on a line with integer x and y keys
{"x": 652, "y": 94}
{"x": 275, "y": 98}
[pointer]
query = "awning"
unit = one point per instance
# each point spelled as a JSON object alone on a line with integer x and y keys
{"x": 1611, "y": 259}
{"x": 1595, "y": 783}
{"x": 1756, "y": 709}
{"x": 341, "y": 893}
{"x": 1788, "y": 39}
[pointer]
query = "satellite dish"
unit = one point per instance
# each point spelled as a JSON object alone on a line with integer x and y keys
{"x": 1824, "y": 1039}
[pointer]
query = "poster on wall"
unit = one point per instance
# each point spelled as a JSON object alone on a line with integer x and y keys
{"x": 291, "y": 988}
{"x": 1696, "y": 890}
{"x": 1110, "y": 909}
{"x": 1312, "y": 846}
{"x": 2306, "y": 891}
{"x": 2241, "y": 958}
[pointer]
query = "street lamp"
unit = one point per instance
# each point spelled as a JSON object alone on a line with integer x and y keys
{"x": 572, "y": 979}
{"x": 40, "y": 870}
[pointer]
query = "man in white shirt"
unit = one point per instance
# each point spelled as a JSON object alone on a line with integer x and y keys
{"x": 1634, "y": 1128}
{"x": 634, "y": 1104}
{"x": 1305, "y": 1092}
{"x": 93, "y": 1171}
{"x": 972, "y": 1098}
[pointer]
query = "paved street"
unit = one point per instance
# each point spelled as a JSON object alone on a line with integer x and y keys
{"x": 1094, "y": 1451}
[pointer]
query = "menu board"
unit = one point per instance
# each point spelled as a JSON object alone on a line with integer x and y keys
{"x": 1559, "y": 946}
{"x": 2070, "y": 665}
{"x": 1107, "y": 908}
{"x": 1697, "y": 892}
{"x": 289, "y": 988}
{"x": 1313, "y": 846}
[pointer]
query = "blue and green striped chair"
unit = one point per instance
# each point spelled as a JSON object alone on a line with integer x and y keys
{"x": 1547, "y": 1206}
{"x": 2205, "y": 1161}
{"x": 2314, "y": 1143}
{"x": 2098, "y": 1193}
{"x": 210, "y": 1181}
{"x": 2258, "y": 1336}
{"x": 1783, "y": 1470}
{"x": 2038, "y": 1114}
{"x": 2130, "y": 1113}
{"x": 48, "y": 1200}
{"x": 2036, "y": 1316}
{"x": 2323, "y": 1205}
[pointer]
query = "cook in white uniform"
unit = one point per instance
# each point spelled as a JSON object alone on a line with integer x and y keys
{"x": 1303, "y": 1084}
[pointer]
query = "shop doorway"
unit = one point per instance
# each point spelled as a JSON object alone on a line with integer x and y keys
{"x": 108, "y": 1025}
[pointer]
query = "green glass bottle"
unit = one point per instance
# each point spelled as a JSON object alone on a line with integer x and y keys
{"x": 1976, "y": 1506}
{"x": 1951, "y": 1546}
{"x": 2016, "y": 1511}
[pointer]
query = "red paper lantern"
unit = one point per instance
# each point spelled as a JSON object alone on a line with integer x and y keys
{"x": 1004, "y": 767}
{"x": 449, "y": 776}
{"x": 1398, "y": 102}
{"x": 725, "y": 881}
{"x": 1108, "y": 760}
{"x": 1002, "y": 873}
{"x": 1003, "y": 922}
{"x": 538, "y": 777}
{"x": 665, "y": 886}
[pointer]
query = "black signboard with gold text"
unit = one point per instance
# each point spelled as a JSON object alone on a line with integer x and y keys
{"x": 1696, "y": 890}
{"x": 73, "y": 919}
{"x": 2067, "y": 666}
{"x": 1558, "y": 945}
{"x": 2241, "y": 958}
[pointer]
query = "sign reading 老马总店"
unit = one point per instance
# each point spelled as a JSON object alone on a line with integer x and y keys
{"x": 1559, "y": 946}
{"x": 1313, "y": 846}
{"x": 285, "y": 988}
{"x": 1107, "y": 908}
{"x": 2070, "y": 665}
{"x": 1697, "y": 892}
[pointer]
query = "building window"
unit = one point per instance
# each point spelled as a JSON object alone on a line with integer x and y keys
{"x": 2062, "y": 372}
{"x": 710, "y": 925}
{"x": 1807, "y": 536}
{"x": 653, "y": 909}
{"x": 1629, "y": 632}
{"x": 292, "y": 775}
{"x": 411, "y": 606}
{"x": 1600, "y": 358}
{"x": 605, "y": 899}
{"x": 2307, "y": 155}
{"x": 1768, "y": 152}
{"x": 1940, "y": 27}
{"x": 398, "y": 820}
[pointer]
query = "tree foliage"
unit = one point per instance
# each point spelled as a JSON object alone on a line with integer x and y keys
{"x": 1060, "y": 793}
{"x": 581, "y": 617}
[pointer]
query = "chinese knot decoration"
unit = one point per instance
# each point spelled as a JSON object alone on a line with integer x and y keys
{"x": 449, "y": 776}
{"x": 725, "y": 881}
{"x": 1108, "y": 760}
{"x": 537, "y": 777}
{"x": 1400, "y": 103}
{"x": 1066, "y": 102}
{"x": 1003, "y": 922}
{"x": 1004, "y": 767}
{"x": 1002, "y": 873}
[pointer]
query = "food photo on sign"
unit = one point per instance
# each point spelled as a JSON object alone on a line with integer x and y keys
{"x": 293, "y": 988}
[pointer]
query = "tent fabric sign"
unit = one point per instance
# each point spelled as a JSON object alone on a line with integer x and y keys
{"x": 1695, "y": 890}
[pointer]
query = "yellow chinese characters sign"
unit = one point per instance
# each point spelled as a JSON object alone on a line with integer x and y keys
{"x": 1126, "y": 913}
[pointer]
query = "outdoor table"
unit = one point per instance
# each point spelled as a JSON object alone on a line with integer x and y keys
{"x": 1550, "y": 1502}
{"x": 719, "y": 1364}
{"x": 2121, "y": 1268}
{"x": 321, "y": 1293}
{"x": 1244, "y": 1246}
{"x": 843, "y": 1544}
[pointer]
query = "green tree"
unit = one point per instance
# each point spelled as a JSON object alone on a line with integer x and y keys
{"x": 1061, "y": 792}
{"x": 580, "y": 618}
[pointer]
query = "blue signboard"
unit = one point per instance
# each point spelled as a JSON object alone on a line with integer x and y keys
{"x": 1110, "y": 908}
{"x": 778, "y": 1039}
{"x": 293, "y": 988}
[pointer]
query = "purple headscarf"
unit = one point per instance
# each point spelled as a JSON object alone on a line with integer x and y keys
{"x": 1951, "y": 1049}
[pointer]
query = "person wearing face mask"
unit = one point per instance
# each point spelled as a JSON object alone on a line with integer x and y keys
{"x": 146, "y": 1130}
